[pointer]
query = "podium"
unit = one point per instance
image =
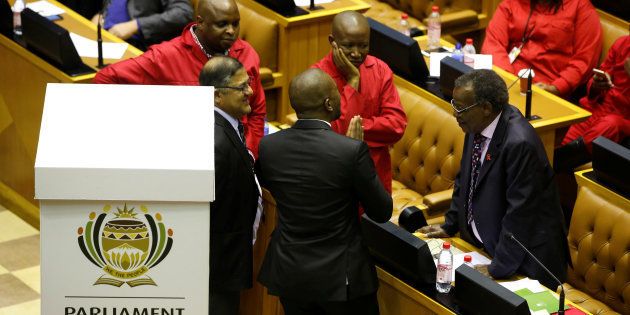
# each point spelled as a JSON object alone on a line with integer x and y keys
{"x": 124, "y": 175}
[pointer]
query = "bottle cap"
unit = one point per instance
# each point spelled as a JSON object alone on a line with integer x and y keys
{"x": 435, "y": 8}
{"x": 469, "y": 41}
{"x": 446, "y": 245}
{"x": 467, "y": 258}
{"x": 404, "y": 16}
{"x": 458, "y": 46}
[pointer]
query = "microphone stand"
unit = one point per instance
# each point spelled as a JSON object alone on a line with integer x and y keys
{"x": 314, "y": 7}
{"x": 561, "y": 300}
{"x": 99, "y": 35}
{"x": 528, "y": 98}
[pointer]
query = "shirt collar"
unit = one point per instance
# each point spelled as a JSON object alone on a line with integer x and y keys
{"x": 233, "y": 121}
{"x": 489, "y": 130}
{"x": 327, "y": 123}
{"x": 198, "y": 43}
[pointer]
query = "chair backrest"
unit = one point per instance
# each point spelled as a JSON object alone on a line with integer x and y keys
{"x": 426, "y": 159}
{"x": 599, "y": 243}
{"x": 612, "y": 28}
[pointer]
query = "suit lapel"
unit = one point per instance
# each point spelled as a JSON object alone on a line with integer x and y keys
{"x": 494, "y": 149}
{"x": 235, "y": 139}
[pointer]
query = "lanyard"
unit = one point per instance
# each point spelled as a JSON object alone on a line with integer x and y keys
{"x": 526, "y": 35}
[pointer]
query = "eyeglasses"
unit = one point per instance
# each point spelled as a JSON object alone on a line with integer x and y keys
{"x": 242, "y": 88}
{"x": 460, "y": 111}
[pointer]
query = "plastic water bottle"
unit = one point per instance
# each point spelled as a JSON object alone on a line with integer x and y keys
{"x": 444, "y": 269}
{"x": 435, "y": 28}
{"x": 17, "y": 8}
{"x": 468, "y": 51}
{"x": 457, "y": 53}
{"x": 404, "y": 24}
{"x": 266, "y": 127}
{"x": 468, "y": 261}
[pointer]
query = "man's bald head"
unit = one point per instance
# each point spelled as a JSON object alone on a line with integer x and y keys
{"x": 350, "y": 22}
{"x": 313, "y": 94}
{"x": 218, "y": 24}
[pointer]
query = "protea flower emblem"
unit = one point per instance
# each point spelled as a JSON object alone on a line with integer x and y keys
{"x": 125, "y": 246}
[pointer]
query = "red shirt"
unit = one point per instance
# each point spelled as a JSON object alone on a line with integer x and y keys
{"x": 615, "y": 100}
{"x": 378, "y": 103}
{"x": 562, "y": 48}
{"x": 179, "y": 62}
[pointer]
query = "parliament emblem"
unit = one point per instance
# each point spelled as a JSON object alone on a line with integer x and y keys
{"x": 125, "y": 245}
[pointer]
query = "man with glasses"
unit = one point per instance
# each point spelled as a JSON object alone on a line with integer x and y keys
{"x": 505, "y": 185}
{"x": 178, "y": 62}
{"x": 367, "y": 89}
{"x": 233, "y": 211}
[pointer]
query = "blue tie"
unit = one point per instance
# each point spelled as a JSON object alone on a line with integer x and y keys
{"x": 474, "y": 173}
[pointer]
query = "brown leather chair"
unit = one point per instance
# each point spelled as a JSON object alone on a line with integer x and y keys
{"x": 456, "y": 15}
{"x": 599, "y": 243}
{"x": 426, "y": 159}
{"x": 262, "y": 33}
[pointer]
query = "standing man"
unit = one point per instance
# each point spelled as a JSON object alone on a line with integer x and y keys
{"x": 232, "y": 212}
{"x": 179, "y": 61}
{"x": 367, "y": 89}
{"x": 316, "y": 261}
{"x": 505, "y": 185}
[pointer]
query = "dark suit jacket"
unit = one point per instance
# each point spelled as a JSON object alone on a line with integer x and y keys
{"x": 232, "y": 212}
{"x": 318, "y": 178}
{"x": 515, "y": 193}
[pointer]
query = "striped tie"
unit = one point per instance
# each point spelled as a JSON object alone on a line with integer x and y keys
{"x": 474, "y": 173}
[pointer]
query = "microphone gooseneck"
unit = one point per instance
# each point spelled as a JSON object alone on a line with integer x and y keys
{"x": 561, "y": 300}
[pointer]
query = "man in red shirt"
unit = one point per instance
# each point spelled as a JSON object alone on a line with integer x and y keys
{"x": 179, "y": 61}
{"x": 367, "y": 90}
{"x": 560, "y": 39}
{"x": 609, "y": 103}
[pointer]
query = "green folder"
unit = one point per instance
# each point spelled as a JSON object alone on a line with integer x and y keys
{"x": 544, "y": 300}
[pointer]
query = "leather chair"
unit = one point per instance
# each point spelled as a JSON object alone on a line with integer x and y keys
{"x": 456, "y": 15}
{"x": 612, "y": 28}
{"x": 262, "y": 33}
{"x": 599, "y": 243}
{"x": 426, "y": 159}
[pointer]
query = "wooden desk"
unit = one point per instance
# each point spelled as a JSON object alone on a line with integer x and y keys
{"x": 601, "y": 190}
{"x": 555, "y": 112}
{"x": 23, "y": 79}
{"x": 302, "y": 41}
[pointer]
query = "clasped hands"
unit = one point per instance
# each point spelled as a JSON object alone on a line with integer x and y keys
{"x": 355, "y": 128}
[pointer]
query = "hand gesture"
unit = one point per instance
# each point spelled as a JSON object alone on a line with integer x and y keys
{"x": 433, "y": 231}
{"x": 349, "y": 71}
{"x": 601, "y": 82}
{"x": 124, "y": 30}
{"x": 355, "y": 128}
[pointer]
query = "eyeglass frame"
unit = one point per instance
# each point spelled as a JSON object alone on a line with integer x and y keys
{"x": 241, "y": 88}
{"x": 463, "y": 110}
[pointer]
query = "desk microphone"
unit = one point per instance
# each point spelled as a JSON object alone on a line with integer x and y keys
{"x": 99, "y": 34}
{"x": 561, "y": 301}
{"x": 528, "y": 97}
{"x": 314, "y": 7}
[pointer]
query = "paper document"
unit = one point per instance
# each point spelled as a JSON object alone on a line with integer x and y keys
{"x": 526, "y": 283}
{"x": 89, "y": 48}
{"x": 306, "y": 3}
{"x": 477, "y": 259}
{"x": 481, "y": 62}
{"x": 45, "y": 8}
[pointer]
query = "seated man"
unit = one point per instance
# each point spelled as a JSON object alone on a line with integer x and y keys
{"x": 608, "y": 100}
{"x": 317, "y": 261}
{"x": 179, "y": 61}
{"x": 367, "y": 89}
{"x": 143, "y": 23}
{"x": 505, "y": 185}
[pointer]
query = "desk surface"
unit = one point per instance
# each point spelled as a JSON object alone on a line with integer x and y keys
{"x": 329, "y": 10}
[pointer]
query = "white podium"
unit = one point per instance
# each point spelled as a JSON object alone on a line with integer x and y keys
{"x": 124, "y": 175}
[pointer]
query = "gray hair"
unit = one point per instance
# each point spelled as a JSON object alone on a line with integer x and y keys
{"x": 487, "y": 86}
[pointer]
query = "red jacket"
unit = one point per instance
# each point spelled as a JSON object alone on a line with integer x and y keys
{"x": 377, "y": 101}
{"x": 562, "y": 48}
{"x": 179, "y": 62}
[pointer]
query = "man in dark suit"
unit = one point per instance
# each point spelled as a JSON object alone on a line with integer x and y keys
{"x": 513, "y": 186}
{"x": 316, "y": 261}
{"x": 236, "y": 191}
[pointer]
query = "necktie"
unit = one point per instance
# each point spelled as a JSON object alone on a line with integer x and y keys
{"x": 241, "y": 131}
{"x": 474, "y": 173}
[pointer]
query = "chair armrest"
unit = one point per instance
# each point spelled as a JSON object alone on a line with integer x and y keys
{"x": 438, "y": 202}
{"x": 266, "y": 76}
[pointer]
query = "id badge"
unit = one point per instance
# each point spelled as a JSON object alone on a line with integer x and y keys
{"x": 514, "y": 53}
